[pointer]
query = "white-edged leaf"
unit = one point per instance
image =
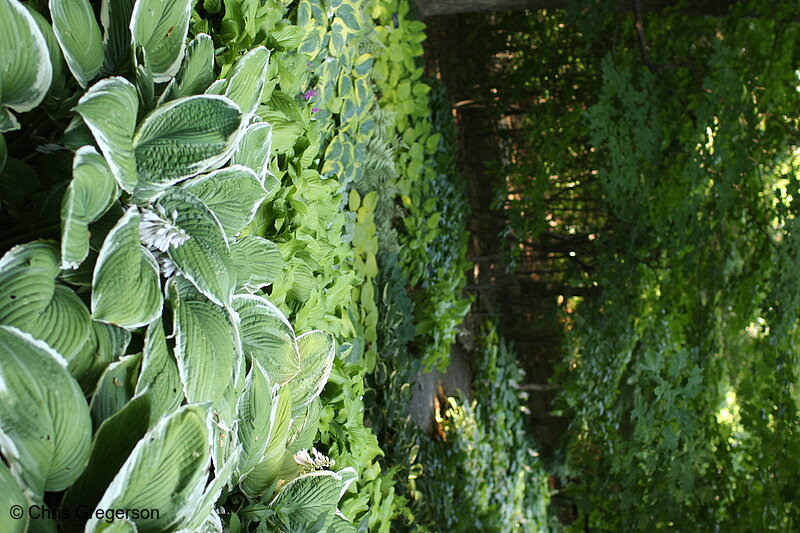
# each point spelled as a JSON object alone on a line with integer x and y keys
{"x": 159, "y": 379}
{"x": 159, "y": 27}
{"x": 31, "y": 300}
{"x": 267, "y": 337}
{"x": 115, "y": 388}
{"x": 89, "y": 195}
{"x": 255, "y": 149}
{"x": 167, "y": 470}
{"x": 197, "y": 72}
{"x": 204, "y": 258}
{"x": 78, "y": 35}
{"x": 113, "y": 442}
{"x": 11, "y": 495}
{"x": 126, "y": 288}
{"x": 183, "y": 138}
{"x": 256, "y": 418}
{"x": 204, "y": 348}
{"x": 310, "y": 500}
{"x": 304, "y": 428}
{"x": 109, "y": 108}
{"x": 264, "y": 475}
{"x": 247, "y": 80}
{"x": 232, "y": 193}
{"x": 317, "y": 351}
{"x": 258, "y": 262}
{"x": 105, "y": 344}
{"x": 25, "y": 69}
{"x": 45, "y": 429}
{"x": 115, "y": 16}
{"x": 53, "y": 49}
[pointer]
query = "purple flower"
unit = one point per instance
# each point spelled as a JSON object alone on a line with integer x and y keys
{"x": 309, "y": 94}
{"x": 315, "y": 109}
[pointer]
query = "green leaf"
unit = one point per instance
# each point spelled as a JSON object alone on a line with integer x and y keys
{"x": 167, "y": 470}
{"x": 78, "y": 35}
{"x": 340, "y": 525}
{"x": 159, "y": 27}
{"x": 45, "y": 429}
{"x": 31, "y": 300}
{"x": 197, "y": 71}
{"x": 115, "y": 388}
{"x": 183, "y": 138}
{"x": 247, "y": 80}
{"x": 106, "y": 343}
{"x": 159, "y": 379}
{"x": 266, "y": 473}
{"x": 11, "y": 495}
{"x": 25, "y": 69}
{"x": 112, "y": 444}
{"x": 126, "y": 289}
{"x": 308, "y": 500}
{"x": 63, "y": 324}
{"x": 304, "y": 428}
{"x": 54, "y": 50}
{"x": 256, "y": 418}
{"x": 204, "y": 258}
{"x": 317, "y": 351}
{"x": 267, "y": 337}
{"x": 255, "y": 149}
{"x": 115, "y": 16}
{"x": 89, "y": 195}
{"x": 109, "y": 108}
{"x": 233, "y": 194}
{"x": 205, "y": 348}
{"x": 257, "y": 261}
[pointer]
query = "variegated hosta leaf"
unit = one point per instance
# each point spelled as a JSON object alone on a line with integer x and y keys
{"x": 317, "y": 351}
{"x": 115, "y": 388}
{"x": 232, "y": 193}
{"x": 45, "y": 429}
{"x": 25, "y": 69}
{"x": 183, "y": 138}
{"x": 115, "y": 16}
{"x": 112, "y": 444}
{"x": 78, "y": 35}
{"x": 304, "y": 428}
{"x": 53, "y": 49}
{"x": 197, "y": 71}
{"x": 265, "y": 474}
{"x": 105, "y": 344}
{"x": 64, "y": 324}
{"x": 167, "y": 470}
{"x": 255, "y": 150}
{"x": 267, "y": 337}
{"x": 31, "y": 301}
{"x": 310, "y": 500}
{"x": 256, "y": 418}
{"x": 126, "y": 288}
{"x": 258, "y": 262}
{"x": 159, "y": 27}
{"x": 204, "y": 349}
{"x": 11, "y": 495}
{"x": 109, "y": 108}
{"x": 247, "y": 80}
{"x": 159, "y": 379}
{"x": 89, "y": 195}
{"x": 204, "y": 258}
{"x": 204, "y": 507}
{"x": 340, "y": 525}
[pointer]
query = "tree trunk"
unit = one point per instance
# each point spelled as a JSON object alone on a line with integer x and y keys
{"x": 428, "y": 8}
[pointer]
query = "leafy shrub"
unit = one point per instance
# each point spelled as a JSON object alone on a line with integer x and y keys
{"x": 485, "y": 468}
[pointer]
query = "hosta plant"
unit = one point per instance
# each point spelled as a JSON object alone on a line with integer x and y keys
{"x": 142, "y": 365}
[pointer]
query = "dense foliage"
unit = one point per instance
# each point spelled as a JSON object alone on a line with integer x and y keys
{"x": 654, "y": 157}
